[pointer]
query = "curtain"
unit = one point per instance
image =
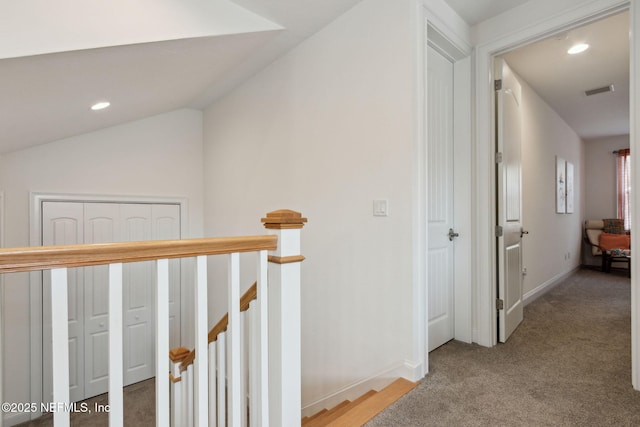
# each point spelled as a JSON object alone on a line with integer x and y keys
{"x": 624, "y": 185}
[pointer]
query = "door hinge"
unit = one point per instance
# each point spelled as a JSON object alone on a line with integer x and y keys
{"x": 499, "y": 157}
{"x": 499, "y": 304}
{"x": 497, "y": 84}
{"x": 498, "y": 231}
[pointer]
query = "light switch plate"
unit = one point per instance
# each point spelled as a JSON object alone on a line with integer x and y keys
{"x": 380, "y": 208}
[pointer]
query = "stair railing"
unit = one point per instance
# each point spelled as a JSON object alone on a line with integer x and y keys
{"x": 181, "y": 376}
{"x": 248, "y": 385}
{"x": 277, "y": 398}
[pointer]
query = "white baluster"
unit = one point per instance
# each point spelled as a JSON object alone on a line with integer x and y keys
{"x": 162, "y": 343}
{"x": 254, "y": 372}
{"x": 261, "y": 373}
{"x": 116, "y": 408}
{"x": 187, "y": 390}
{"x": 243, "y": 369}
{"x": 213, "y": 395}
{"x": 60, "y": 345}
{"x": 233, "y": 338}
{"x": 201, "y": 363}
{"x": 190, "y": 403}
{"x": 222, "y": 369}
{"x": 176, "y": 396}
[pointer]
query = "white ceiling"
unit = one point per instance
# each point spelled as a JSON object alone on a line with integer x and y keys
{"x": 475, "y": 11}
{"x": 561, "y": 79}
{"x": 146, "y": 57}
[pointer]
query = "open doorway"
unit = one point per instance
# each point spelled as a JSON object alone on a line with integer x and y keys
{"x": 485, "y": 271}
{"x": 574, "y": 107}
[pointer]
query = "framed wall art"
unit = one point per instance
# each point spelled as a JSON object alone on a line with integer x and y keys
{"x": 561, "y": 185}
{"x": 569, "y": 185}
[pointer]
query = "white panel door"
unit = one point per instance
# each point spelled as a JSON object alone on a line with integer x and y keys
{"x": 440, "y": 197}
{"x": 101, "y": 225}
{"x": 509, "y": 195}
{"x": 63, "y": 224}
{"x": 166, "y": 226}
{"x": 138, "y": 285}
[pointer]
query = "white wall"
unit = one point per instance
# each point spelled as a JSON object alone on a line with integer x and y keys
{"x": 552, "y": 247}
{"x": 157, "y": 156}
{"x": 325, "y": 130}
{"x": 600, "y": 176}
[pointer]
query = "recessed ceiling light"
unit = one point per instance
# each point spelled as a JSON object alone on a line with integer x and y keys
{"x": 100, "y": 105}
{"x": 578, "y": 48}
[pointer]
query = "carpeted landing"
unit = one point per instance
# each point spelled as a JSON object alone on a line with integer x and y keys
{"x": 567, "y": 364}
{"x": 139, "y": 409}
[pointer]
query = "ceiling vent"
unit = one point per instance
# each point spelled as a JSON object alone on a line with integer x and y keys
{"x": 604, "y": 89}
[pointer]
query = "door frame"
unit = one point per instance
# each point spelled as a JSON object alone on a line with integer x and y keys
{"x": 35, "y": 278}
{"x": 484, "y": 212}
{"x": 436, "y": 23}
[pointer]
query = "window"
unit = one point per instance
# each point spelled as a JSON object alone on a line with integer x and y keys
{"x": 624, "y": 186}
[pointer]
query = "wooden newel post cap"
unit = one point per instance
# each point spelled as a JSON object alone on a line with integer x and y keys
{"x": 283, "y": 219}
{"x": 178, "y": 354}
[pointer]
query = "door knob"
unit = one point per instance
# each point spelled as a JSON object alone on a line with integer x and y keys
{"x": 452, "y": 234}
{"x": 523, "y": 232}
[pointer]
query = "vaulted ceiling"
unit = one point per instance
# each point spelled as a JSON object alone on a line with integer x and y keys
{"x": 146, "y": 57}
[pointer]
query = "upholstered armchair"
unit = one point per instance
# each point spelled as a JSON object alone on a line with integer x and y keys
{"x": 608, "y": 240}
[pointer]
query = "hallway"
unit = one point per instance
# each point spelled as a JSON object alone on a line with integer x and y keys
{"x": 568, "y": 364}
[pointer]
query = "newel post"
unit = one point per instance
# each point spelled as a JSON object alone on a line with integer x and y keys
{"x": 178, "y": 388}
{"x": 285, "y": 407}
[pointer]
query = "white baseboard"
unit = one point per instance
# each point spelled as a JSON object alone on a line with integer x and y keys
{"x": 545, "y": 287}
{"x": 411, "y": 371}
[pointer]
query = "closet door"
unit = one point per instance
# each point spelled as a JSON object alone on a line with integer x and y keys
{"x": 101, "y": 225}
{"x": 76, "y": 222}
{"x": 63, "y": 224}
{"x": 166, "y": 226}
{"x": 138, "y": 295}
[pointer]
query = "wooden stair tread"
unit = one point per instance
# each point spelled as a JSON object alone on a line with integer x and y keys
{"x": 368, "y": 408}
{"x": 328, "y": 415}
{"x": 307, "y": 420}
{"x": 337, "y": 411}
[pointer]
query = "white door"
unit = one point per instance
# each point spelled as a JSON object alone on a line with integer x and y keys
{"x": 63, "y": 224}
{"x": 138, "y": 281}
{"x": 69, "y": 222}
{"x": 146, "y": 222}
{"x": 166, "y": 226}
{"x": 509, "y": 192}
{"x": 440, "y": 197}
{"x": 101, "y": 225}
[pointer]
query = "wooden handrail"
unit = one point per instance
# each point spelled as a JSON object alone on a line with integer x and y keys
{"x": 221, "y": 326}
{"x": 35, "y": 258}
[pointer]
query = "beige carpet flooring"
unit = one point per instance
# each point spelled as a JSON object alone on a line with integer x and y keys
{"x": 139, "y": 409}
{"x": 568, "y": 364}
